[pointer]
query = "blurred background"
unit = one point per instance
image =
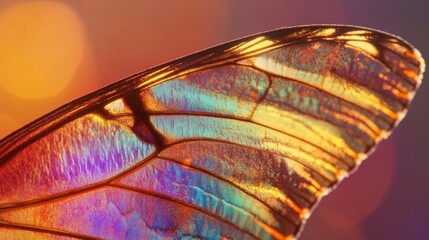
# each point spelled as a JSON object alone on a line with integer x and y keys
{"x": 52, "y": 52}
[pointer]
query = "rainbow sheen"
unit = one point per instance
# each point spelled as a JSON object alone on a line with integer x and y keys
{"x": 202, "y": 92}
{"x": 226, "y": 161}
{"x": 239, "y": 141}
{"x": 78, "y": 155}
{"x": 118, "y": 213}
{"x": 178, "y": 127}
{"x": 210, "y": 194}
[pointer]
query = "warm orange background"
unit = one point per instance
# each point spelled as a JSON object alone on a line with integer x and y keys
{"x": 53, "y": 52}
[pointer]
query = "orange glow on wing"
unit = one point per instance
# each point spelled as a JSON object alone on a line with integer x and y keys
{"x": 42, "y": 44}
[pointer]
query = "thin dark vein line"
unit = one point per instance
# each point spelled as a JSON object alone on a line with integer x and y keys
{"x": 80, "y": 190}
{"x": 374, "y": 113}
{"x": 224, "y": 141}
{"x": 415, "y": 64}
{"x": 68, "y": 112}
{"x": 214, "y": 175}
{"x": 321, "y": 119}
{"x": 113, "y": 178}
{"x": 243, "y": 120}
{"x": 330, "y": 143}
{"x": 320, "y": 90}
{"x": 46, "y": 230}
{"x": 380, "y": 47}
{"x": 171, "y": 179}
{"x": 348, "y": 131}
{"x": 202, "y": 138}
{"x": 177, "y": 201}
{"x": 266, "y": 92}
{"x": 260, "y": 150}
{"x": 263, "y": 96}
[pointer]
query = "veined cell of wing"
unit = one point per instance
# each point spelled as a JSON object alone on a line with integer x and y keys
{"x": 238, "y": 141}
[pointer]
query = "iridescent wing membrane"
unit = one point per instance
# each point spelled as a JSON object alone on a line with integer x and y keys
{"x": 238, "y": 141}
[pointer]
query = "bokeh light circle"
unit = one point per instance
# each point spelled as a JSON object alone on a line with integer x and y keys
{"x": 41, "y": 46}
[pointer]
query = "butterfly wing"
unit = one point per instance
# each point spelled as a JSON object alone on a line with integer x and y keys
{"x": 238, "y": 141}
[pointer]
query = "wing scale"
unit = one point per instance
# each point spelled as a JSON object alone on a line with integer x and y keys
{"x": 238, "y": 141}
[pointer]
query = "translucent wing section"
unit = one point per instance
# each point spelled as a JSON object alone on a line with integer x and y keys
{"x": 238, "y": 141}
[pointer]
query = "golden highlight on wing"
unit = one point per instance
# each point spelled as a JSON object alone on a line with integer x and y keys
{"x": 238, "y": 141}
